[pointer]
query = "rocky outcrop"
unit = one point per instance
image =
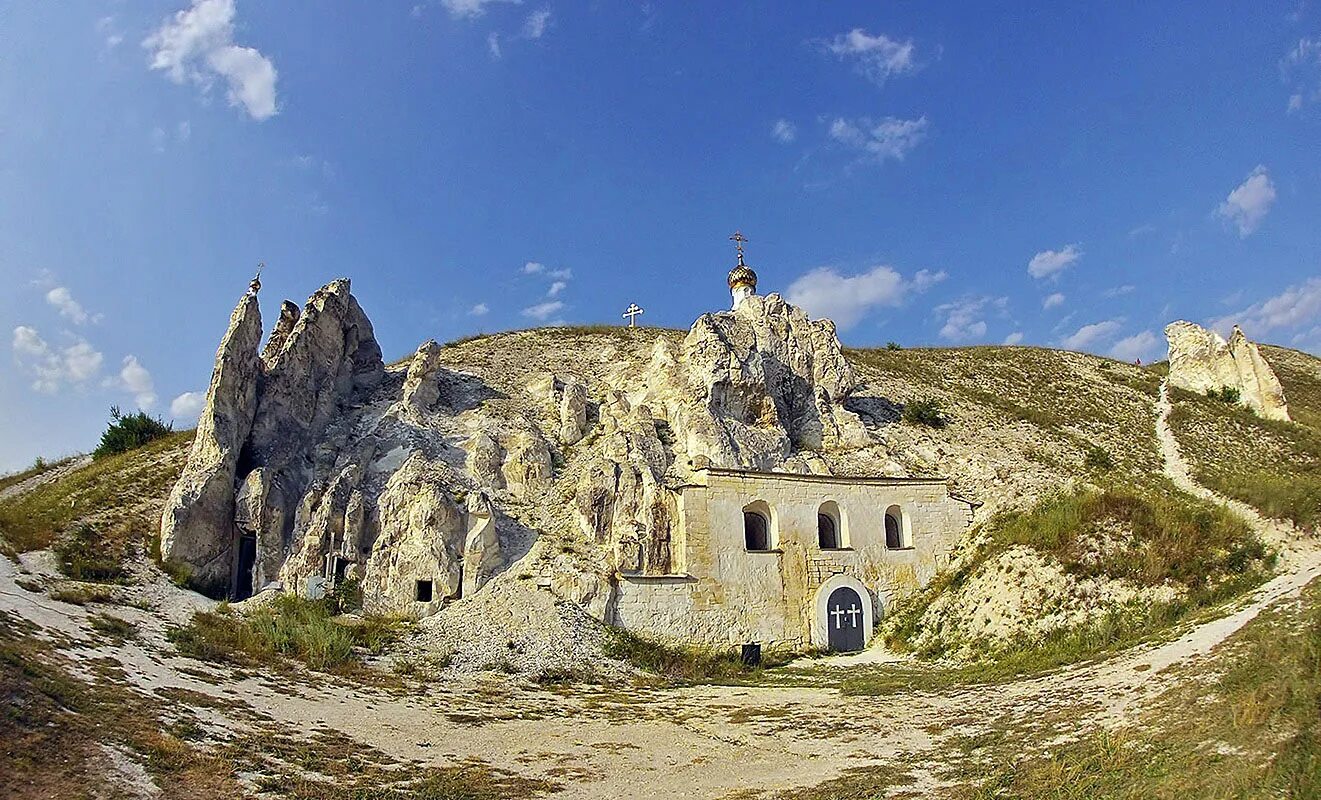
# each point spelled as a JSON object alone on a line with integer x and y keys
{"x": 197, "y": 527}
{"x": 768, "y": 381}
{"x": 251, "y": 472}
{"x": 1201, "y": 361}
{"x": 422, "y": 538}
{"x": 422, "y": 384}
{"x": 573, "y": 412}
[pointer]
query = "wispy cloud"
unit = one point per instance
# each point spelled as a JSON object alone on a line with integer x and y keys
{"x": 784, "y": 131}
{"x": 1301, "y": 71}
{"x": 533, "y": 268}
{"x": 1089, "y": 336}
{"x": 62, "y": 300}
{"x": 1142, "y": 345}
{"x": 479, "y": 310}
{"x": 137, "y": 381}
{"x": 470, "y": 9}
{"x": 556, "y": 288}
{"x": 53, "y": 367}
{"x": 197, "y": 44}
{"x": 1053, "y": 300}
{"x": 536, "y": 24}
{"x": 1248, "y": 204}
{"x": 889, "y": 138}
{"x": 846, "y": 299}
{"x": 878, "y": 57}
{"x": 1049, "y": 263}
{"x": 965, "y": 318}
{"x": 1014, "y": 338}
{"x": 1118, "y": 291}
{"x": 1296, "y": 309}
{"x": 543, "y": 311}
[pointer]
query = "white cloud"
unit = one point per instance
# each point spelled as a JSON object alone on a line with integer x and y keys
{"x": 469, "y": 9}
{"x": 823, "y": 292}
{"x": 1294, "y": 308}
{"x": 964, "y": 317}
{"x": 543, "y": 311}
{"x": 135, "y": 379}
{"x": 556, "y": 288}
{"x": 197, "y": 44}
{"x": 1301, "y": 70}
{"x": 784, "y": 131}
{"x": 1119, "y": 290}
{"x": 533, "y": 267}
{"x": 1143, "y": 345}
{"x": 536, "y": 24}
{"x": 1014, "y": 338}
{"x": 876, "y": 57}
{"x": 187, "y": 406}
{"x": 62, "y": 299}
{"x": 54, "y": 368}
{"x": 479, "y": 310}
{"x": 1249, "y": 203}
{"x": 1053, "y": 300}
{"x": 1091, "y": 335}
{"x": 493, "y": 45}
{"x": 889, "y": 138}
{"x": 28, "y": 343}
{"x": 1049, "y": 263}
{"x": 564, "y": 273}
{"x": 113, "y": 37}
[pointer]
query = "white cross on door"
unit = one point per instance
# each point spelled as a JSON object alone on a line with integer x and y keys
{"x": 853, "y": 613}
{"x": 839, "y": 613}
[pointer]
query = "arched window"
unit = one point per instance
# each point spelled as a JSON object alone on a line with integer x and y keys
{"x": 829, "y": 527}
{"x": 894, "y": 529}
{"x": 756, "y": 531}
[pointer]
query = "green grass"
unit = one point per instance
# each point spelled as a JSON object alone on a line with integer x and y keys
{"x": 115, "y": 627}
{"x": 684, "y": 664}
{"x": 88, "y": 554}
{"x": 1253, "y": 732}
{"x": 41, "y": 466}
{"x": 291, "y": 627}
{"x": 1174, "y": 539}
{"x": 1272, "y": 466}
{"x": 35, "y": 519}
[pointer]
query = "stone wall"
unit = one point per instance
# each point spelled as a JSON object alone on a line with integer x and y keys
{"x": 729, "y": 595}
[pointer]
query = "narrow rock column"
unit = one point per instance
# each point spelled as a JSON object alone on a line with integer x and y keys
{"x": 197, "y": 527}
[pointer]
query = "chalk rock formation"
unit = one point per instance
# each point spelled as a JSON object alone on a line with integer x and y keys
{"x": 422, "y": 385}
{"x": 1201, "y": 360}
{"x": 198, "y": 523}
{"x": 768, "y": 381}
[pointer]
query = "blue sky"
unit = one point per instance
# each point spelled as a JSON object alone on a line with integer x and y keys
{"x": 938, "y": 175}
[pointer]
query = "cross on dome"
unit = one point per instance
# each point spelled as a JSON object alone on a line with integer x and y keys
{"x": 742, "y": 280}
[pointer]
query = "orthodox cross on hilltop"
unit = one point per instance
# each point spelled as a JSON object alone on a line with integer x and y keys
{"x": 632, "y": 313}
{"x": 739, "y": 240}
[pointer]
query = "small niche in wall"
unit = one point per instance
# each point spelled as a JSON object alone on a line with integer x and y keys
{"x": 422, "y": 592}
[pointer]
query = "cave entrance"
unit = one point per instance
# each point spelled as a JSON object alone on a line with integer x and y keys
{"x": 247, "y": 559}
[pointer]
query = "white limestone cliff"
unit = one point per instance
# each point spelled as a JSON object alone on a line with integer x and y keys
{"x": 1201, "y": 361}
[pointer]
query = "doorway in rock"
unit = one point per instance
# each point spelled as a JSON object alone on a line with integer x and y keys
{"x": 247, "y": 559}
{"x": 844, "y": 621}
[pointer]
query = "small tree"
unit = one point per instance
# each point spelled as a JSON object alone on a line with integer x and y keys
{"x": 893, "y": 346}
{"x": 925, "y": 411}
{"x": 129, "y": 432}
{"x": 1225, "y": 394}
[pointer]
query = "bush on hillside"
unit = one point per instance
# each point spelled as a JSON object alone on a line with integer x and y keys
{"x": 925, "y": 411}
{"x": 1226, "y": 394}
{"x": 129, "y": 432}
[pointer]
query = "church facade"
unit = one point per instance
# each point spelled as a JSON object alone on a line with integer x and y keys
{"x": 793, "y": 561}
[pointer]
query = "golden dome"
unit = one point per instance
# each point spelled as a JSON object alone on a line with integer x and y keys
{"x": 742, "y": 275}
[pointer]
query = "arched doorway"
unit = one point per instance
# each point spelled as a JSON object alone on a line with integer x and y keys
{"x": 843, "y": 615}
{"x": 844, "y": 621}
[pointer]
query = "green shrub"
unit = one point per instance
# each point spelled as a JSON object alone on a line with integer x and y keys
{"x": 893, "y": 346}
{"x": 1225, "y": 394}
{"x": 291, "y": 626}
{"x": 925, "y": 411}
{"x": 1098, "y": 459}
{"x": 129, "y": 433}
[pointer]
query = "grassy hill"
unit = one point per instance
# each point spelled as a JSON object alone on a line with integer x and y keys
{"x": 1059, "y": 447}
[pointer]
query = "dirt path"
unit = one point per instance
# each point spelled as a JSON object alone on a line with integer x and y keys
{"x": 700, "y": 742}
{"x": 49, "y": 475}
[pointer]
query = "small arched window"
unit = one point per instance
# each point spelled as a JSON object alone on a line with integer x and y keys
{"x": 756, "y": 531}
{"x": 894, "y": 529}
{"x": 829, "y": 530}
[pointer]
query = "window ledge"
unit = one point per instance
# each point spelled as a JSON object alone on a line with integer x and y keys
{"x": 774, "y": 551}
{"x": 900, "y": 549}
{"x": 836, "y": 549}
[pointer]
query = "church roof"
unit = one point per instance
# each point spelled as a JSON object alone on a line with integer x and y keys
{"x": 742, "y": 275}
